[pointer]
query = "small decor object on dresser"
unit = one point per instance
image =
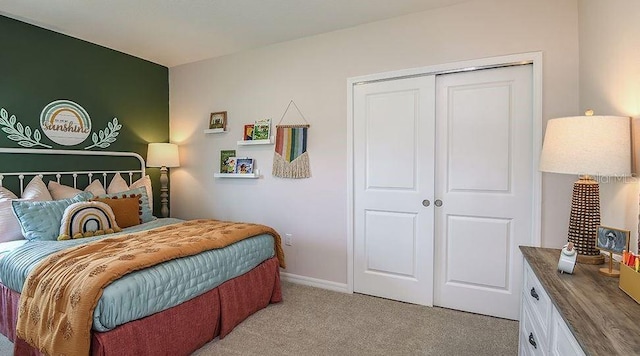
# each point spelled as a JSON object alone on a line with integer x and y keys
{"x": 248, "y": 132}
{"x": 262, "y": 129}
{"x": 218, "y": 120}
{"x": 614, "y": 241}
{"x": 244, "y": 165}
{"x": 227, "y": 161}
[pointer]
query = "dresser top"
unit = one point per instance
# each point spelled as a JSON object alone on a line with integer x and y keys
{"x": 603, "y": 319}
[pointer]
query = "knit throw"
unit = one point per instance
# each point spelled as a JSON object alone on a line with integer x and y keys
{"x": 291, "y": 159}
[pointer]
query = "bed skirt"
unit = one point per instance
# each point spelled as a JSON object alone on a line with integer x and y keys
{"x": 180, "y": 330}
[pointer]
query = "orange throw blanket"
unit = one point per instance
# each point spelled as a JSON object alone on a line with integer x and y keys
{"x": 60, "y": 294}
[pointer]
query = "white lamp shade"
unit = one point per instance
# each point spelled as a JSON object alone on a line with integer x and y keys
{"x": 588, "y": 145}
{"x": 163, "y": 154}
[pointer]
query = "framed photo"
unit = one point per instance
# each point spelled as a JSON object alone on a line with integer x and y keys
{"x": 262, "y": 129}
{"x": 227, "y": 161}
{"x": 218, "y": 120}
{"x": 248, "y": 132}
{"x": 612, "y": 240}
{"x": 244, "y": 165}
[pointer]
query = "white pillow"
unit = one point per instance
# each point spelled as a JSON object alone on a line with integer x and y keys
{"x": 59, "y": 191}
{"x": 117, "y": 185}
{"x": 36, "y": 190}
{"x": 146, "y": 183}
{"x": 9, "y": 225}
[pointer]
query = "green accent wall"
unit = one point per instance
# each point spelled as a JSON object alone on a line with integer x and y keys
{"x": 38, "y": 66}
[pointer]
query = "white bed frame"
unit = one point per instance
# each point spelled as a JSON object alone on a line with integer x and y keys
{"x": 21, "y": 176}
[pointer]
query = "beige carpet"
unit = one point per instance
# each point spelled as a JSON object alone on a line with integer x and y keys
{"x": 313, "y": 321}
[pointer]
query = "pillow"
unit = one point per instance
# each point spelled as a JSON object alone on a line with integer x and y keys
{"x": 86, "y": 219}
{"x": 147, "y": 213}
{"x": 146, "y": 183}
{"x": 117, "y": 185}
{"x": 40, "y": 220}
{"x": 9, "y": 225}
{"x": 59, "y": 191}
{"x": 126, "y": 209}
{"x": 36, "y": 190}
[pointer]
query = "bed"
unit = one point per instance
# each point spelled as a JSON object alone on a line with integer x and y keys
{"x": 172, "y": 307}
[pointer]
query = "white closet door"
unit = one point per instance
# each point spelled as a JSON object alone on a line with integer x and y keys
{"x": 484, "y": 176}
{"x": 393, "y": 175}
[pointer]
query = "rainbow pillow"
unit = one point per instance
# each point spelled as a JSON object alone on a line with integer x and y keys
{"x": 86, "y": 219}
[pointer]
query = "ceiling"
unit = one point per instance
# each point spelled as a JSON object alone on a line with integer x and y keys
{"x": 174, "y": 32}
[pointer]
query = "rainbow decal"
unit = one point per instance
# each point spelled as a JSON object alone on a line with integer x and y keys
{"x": 65, "y": 122}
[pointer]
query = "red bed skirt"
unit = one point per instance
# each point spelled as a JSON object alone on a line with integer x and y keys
{"x": 176, "y": 331}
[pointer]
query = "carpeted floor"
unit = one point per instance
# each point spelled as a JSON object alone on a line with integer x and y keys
{"x": 313, "y": 321}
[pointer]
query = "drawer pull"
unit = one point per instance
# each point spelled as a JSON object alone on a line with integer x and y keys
{"x": 532, "y": 341}
{"x": 535, "y": 294}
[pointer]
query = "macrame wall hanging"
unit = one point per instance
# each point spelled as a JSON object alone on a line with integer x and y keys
{"x": 291, "y": 159}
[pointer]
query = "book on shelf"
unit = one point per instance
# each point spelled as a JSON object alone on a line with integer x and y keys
{"x": 248, "y": 132}
{"x": 227, "y": 161}
{"x": 262, "y": 129}
{"x": 244, "y": 165}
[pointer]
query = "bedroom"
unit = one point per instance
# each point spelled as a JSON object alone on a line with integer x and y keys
{"x": 313, "y": 71}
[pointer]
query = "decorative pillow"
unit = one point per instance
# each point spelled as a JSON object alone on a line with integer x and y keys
{"x": 40, "y": 220}
{"x": 86, "y": 219}
{"x": 59, "y": 191}
{"x": 117, "y": 185}
{"x": 36, "y": 190}
{"x": 145, "y": 208}
{"x": 126, "y": 209}
{"x": 9, "y": 225}
{"x": 146, "y": 183}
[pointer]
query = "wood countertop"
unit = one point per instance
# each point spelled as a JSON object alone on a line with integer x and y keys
{"x": 603, "y": 319}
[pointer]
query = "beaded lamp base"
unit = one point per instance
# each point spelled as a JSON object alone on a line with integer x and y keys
{"x": 585, "y": 219}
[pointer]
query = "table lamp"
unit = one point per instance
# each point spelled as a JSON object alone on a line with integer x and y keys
{"x": 587, "y": 146}
{"x": 163, "y": 155}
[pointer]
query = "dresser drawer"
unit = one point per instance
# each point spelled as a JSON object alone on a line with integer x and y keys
{"x": 536, "y": 298}
{"x": 563, "y": 343}
{"x": 532, "y": 338}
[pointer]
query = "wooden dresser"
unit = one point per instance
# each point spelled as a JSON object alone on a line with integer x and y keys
{"x": 583, "y": 313}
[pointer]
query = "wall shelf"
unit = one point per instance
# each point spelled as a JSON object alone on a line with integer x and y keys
{"x": 237, "y": 175}
{"x": 214, "y": 131}
{"x": 256, "y": 142}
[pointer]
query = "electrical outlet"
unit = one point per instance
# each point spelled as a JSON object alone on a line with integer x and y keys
{"x": 288, "y": 239}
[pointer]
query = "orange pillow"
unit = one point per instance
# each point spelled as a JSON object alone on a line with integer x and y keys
{"x": 126, "y": 209}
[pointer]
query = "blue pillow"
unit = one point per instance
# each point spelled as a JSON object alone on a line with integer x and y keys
{"x": 40, "y": 220}
{"x": 147, "y": 214}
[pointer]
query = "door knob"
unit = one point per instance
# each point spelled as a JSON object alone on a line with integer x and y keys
{"x": 426, "y": 202}
{"x": 438, "y": 202}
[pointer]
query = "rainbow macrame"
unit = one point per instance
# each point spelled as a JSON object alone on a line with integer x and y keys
{"x": 291, "y": 159}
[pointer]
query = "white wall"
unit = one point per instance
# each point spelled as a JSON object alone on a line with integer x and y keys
{"x": 313, "y": 71}
{"x": 610, "y": 84}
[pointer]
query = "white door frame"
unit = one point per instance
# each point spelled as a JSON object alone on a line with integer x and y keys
{"x": 534, "y": 58}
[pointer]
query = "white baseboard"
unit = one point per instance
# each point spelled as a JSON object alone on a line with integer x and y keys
{"x": 314, "y": 282}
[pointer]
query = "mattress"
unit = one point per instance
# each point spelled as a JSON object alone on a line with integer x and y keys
{"x": 151, "y": 290}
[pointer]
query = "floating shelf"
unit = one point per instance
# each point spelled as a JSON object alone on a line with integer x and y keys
{"x": 237, "y": 175}
{"x": 256, "y": 142}
{"x": 214, "y": 131}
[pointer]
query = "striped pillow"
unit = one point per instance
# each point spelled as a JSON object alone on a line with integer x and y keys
{"x": 85, "y": 219}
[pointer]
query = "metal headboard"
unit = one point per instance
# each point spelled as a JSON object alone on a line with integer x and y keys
{"x": 90, "y": 174}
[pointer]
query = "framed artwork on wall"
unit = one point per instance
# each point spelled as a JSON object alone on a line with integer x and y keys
{"x": 218, "y": 120}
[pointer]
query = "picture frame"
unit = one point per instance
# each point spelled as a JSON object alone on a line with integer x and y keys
{"x": 612, "y": 240}
{"x": 248, "y": 132}
{"x": 218, "y": 120}
{"x": 227, "y": 161}
{"x": 262, "y": 129}
{"x": 244, "y": 165}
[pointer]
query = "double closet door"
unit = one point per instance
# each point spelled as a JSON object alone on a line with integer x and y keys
{"x": 443, "y": 188}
